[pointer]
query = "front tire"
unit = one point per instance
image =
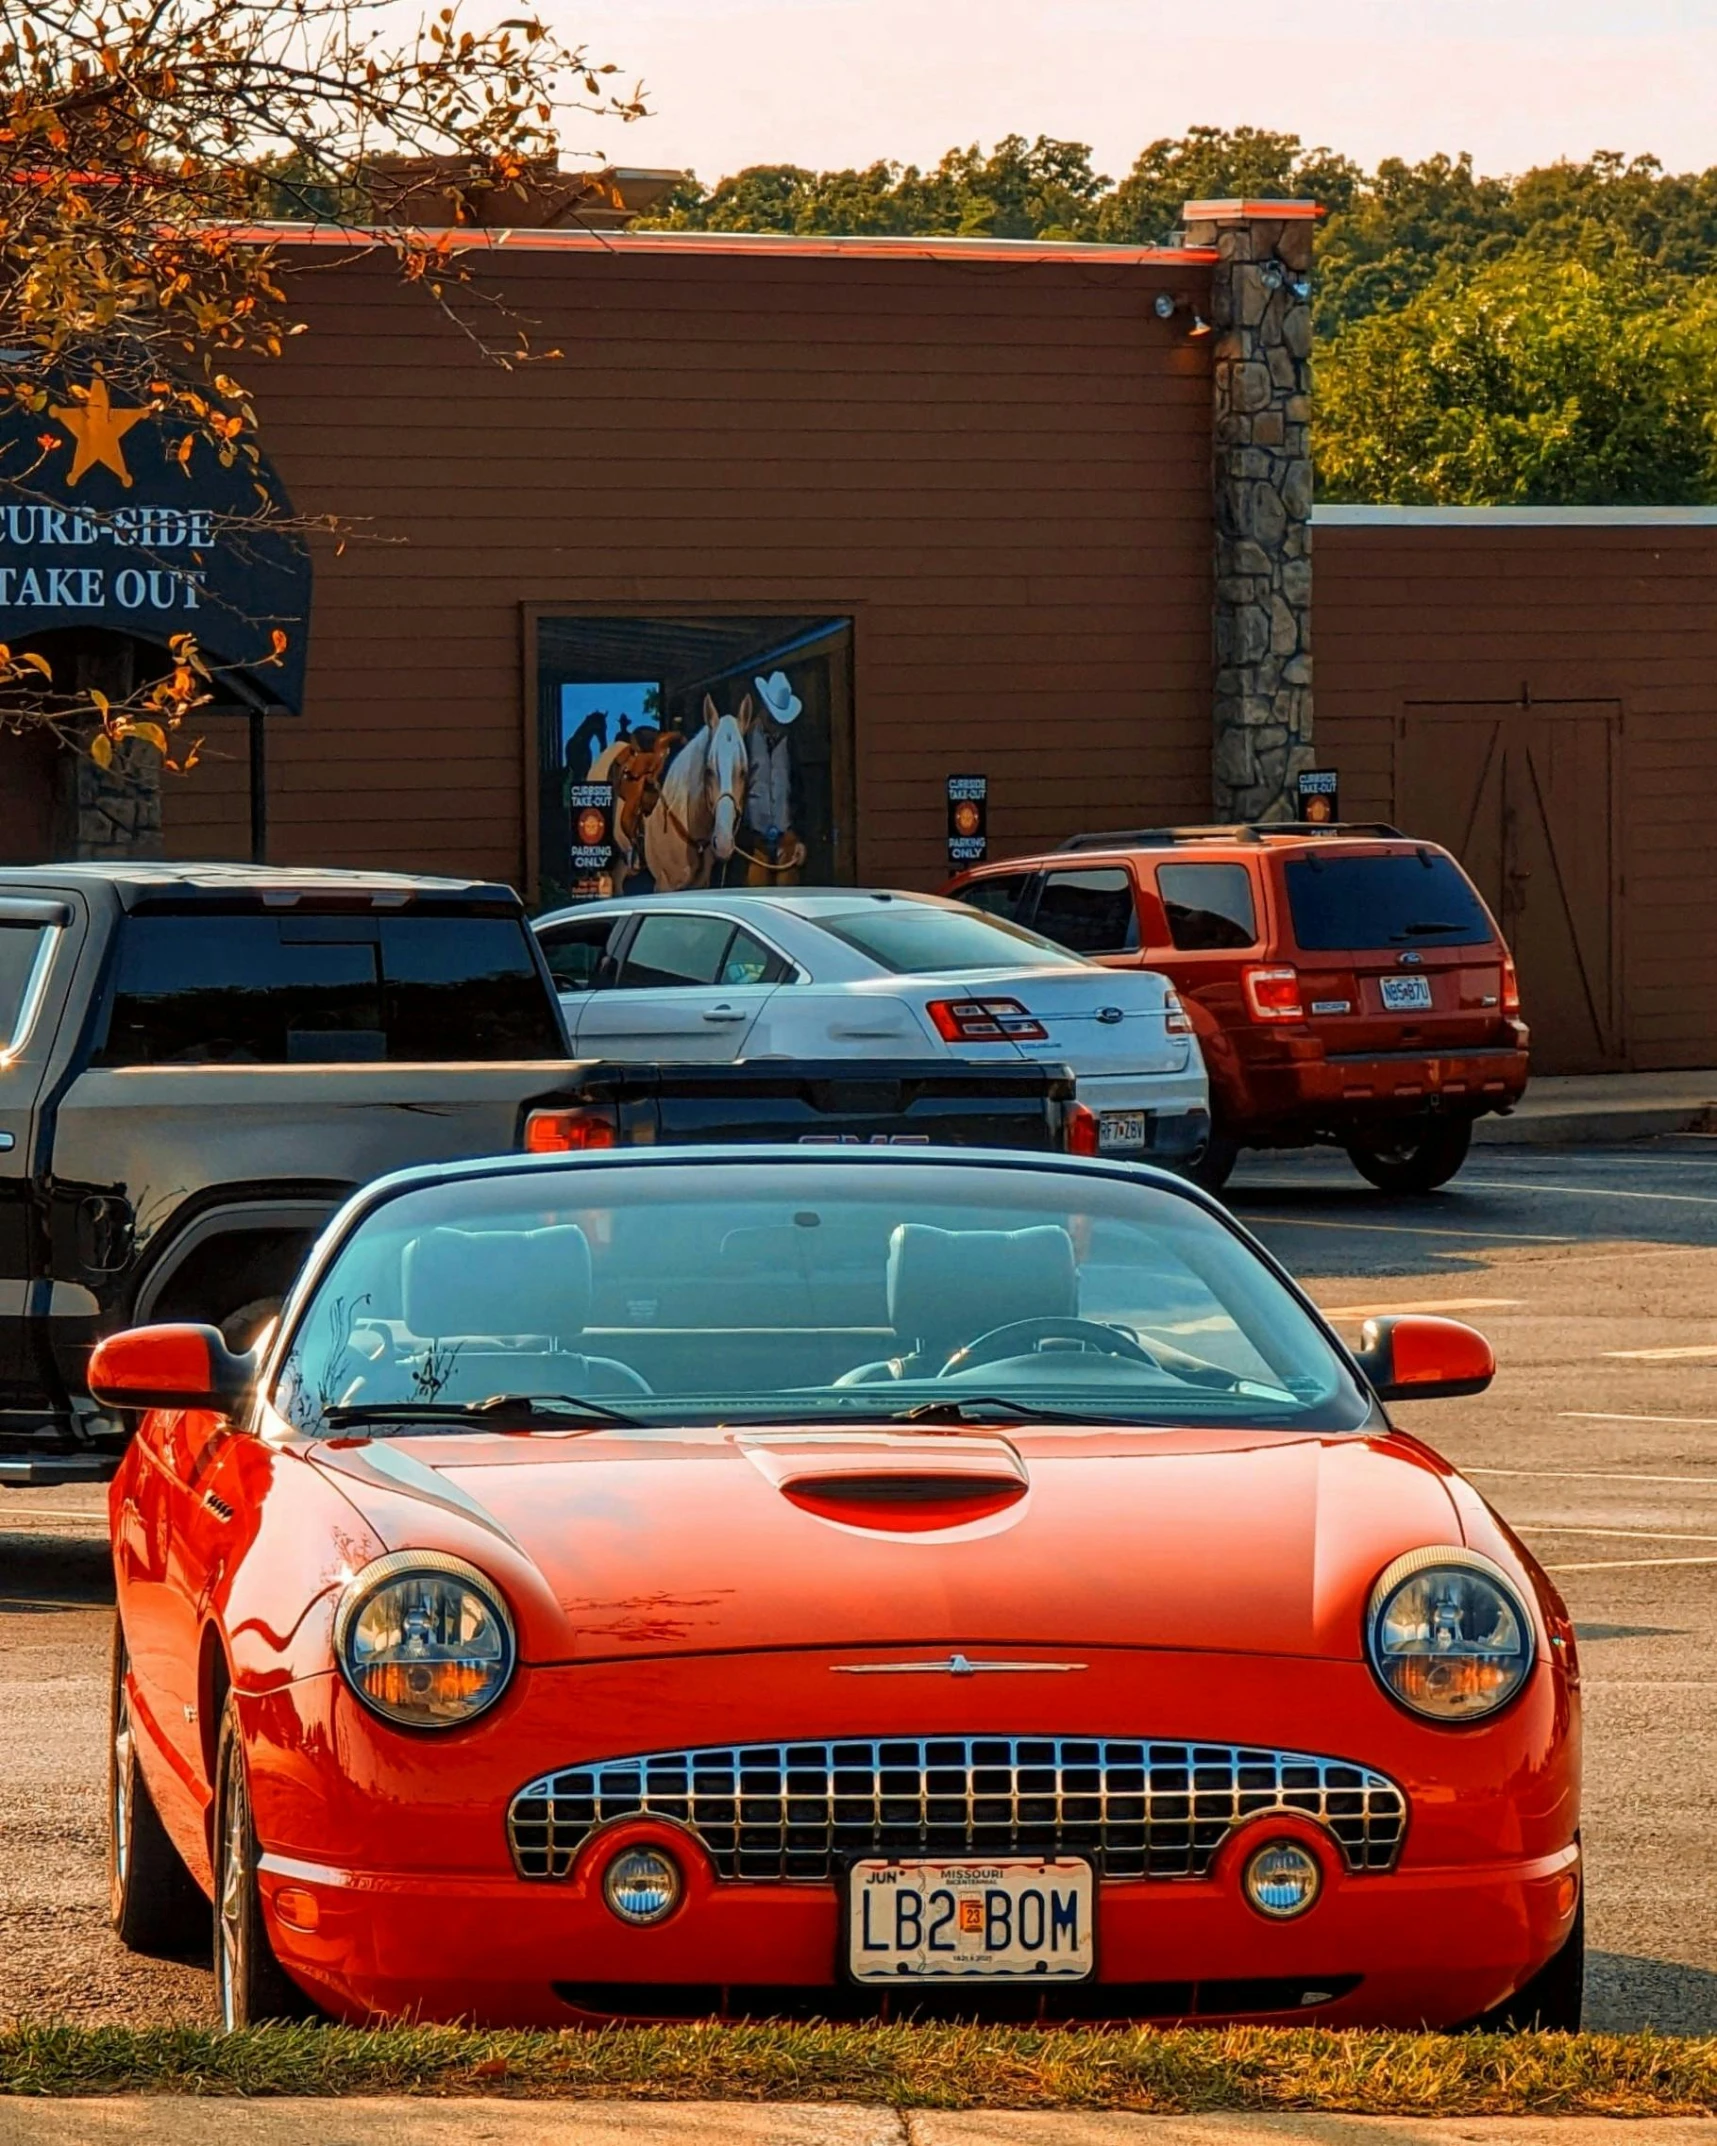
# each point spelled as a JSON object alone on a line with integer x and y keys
{"x": 250, "y": 1982}
{"x": 153, "y": 1902}
{"x": 1553, "y": 2001}
{"x": 1417, "y": 1156}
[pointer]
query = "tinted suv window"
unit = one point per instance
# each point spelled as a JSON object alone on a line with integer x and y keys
{"x": 1092, "y": 911}
{"x": 1209, "y": 906}
{"x": 205, "y": 988}
{"x": 1004, "y": 896}
{"x": 1420, "y": 899}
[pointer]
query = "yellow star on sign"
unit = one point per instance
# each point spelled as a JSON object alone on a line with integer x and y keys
{"x": 98, "y": 429}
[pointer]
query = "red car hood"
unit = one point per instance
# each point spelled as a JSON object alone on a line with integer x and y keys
{"x": 698, "y": 1542}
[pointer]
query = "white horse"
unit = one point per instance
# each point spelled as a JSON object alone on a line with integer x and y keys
{"x": 698, "y": 816}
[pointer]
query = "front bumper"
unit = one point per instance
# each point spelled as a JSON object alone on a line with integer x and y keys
{"x": 389, "y": 1888}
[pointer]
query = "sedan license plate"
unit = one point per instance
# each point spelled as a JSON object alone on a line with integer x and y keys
{"x": 995, "y": 1922}
{"x": 1123, "y": 1129}
{"x": 1406, "y": 994}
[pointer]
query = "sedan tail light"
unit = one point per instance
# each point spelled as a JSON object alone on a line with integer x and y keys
{"x": 570, "y": 1132}
{"x": 1177, "y": 1021}
{"x": 1274, "y": 994}
{"x": 985, "y": 1020}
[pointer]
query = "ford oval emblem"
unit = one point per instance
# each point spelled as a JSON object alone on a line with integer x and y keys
{"x": 1412, "y": 961}
{"x": 1110, "y": 1014}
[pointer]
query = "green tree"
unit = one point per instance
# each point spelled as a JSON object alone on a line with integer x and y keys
{"x": 1531, "y": 380}
{"x": 1214, "y": 164}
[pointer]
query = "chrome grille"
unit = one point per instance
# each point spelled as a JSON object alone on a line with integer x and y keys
{"x": 795, "y": 1812}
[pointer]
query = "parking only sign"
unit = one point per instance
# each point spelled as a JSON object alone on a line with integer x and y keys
{"x": 968, "y": 819}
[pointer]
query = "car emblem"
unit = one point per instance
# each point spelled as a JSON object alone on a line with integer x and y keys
{"x": 1411, "y": 960}
{"x": 957, "y": 1665}
{"x": 1110, "y": 1014}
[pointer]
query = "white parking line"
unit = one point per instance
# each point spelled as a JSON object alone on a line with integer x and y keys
{"x": 1592, "y": 1192}
{"x": 1662, "y": 1356}
{"x": 1632, "y": 1564}
{"x": 1615, "y": 1415}
{"x": 1406, "y": 1229}
{"x": 1428, "y": 1304}
{"x": 1589, "y": 1475}
{"x": 1555, "y": 1527}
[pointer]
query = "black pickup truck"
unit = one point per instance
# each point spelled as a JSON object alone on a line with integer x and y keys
{"x": 198, "y": 1063}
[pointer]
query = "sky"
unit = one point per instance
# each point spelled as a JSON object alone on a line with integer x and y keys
{"x": 829, "y": 83}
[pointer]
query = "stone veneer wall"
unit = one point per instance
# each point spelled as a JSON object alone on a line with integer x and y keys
{"x": 117, "y": 809}
{"x": 1262, "y": 479}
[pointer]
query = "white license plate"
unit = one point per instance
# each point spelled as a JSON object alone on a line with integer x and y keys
{"x": 1028, "y": 1921}
{"x": 1123, "y": 1129}
{"x": 1406, "y": 994}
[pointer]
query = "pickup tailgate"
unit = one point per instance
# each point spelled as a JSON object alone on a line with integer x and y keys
{"x": 908, "y": 1102}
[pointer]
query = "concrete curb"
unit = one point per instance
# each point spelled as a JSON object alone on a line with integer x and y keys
{"x": 190, "y": 2120}
{"x": 1559, "y": 1127}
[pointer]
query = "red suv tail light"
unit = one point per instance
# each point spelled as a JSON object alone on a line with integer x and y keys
{"x": 1082, "y": 1131}
{"x": 1274, "y": 994}
{"x": 1510, "y": 986}
{"x": 985, "y": 1020}
{"x": 569, "y": 1132}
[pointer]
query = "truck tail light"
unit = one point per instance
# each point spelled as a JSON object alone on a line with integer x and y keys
{"x": 985, "y": 1020}
{"x": 1274, "y": 994}
{"x": 570, "y": 1132}
{"x": 1510, "y": 987}
{"x": 1082, "y": 1131}
{"x": 1177, "y": 1021}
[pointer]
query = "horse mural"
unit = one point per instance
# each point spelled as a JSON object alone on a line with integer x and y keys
{"x": 635, "y": 766}
{"x": 696, "y": 823}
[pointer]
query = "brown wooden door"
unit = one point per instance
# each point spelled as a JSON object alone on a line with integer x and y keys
{"x": 1523, "y": 792}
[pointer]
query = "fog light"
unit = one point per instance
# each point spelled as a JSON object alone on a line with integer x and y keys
{"x": 642, "y": 1885}
{"x": 1282, "y": 1879}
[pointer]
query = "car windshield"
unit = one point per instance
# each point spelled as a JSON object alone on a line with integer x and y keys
{"x": 718, "y": 1291}
{"x": 927, "y": 939}
{"x": 1419, "y": 899}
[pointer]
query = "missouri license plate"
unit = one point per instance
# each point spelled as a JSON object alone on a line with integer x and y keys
{"x": 988, "y": 1922}
{"x": 1406, "y": 994}
{"x": 1123, "y": 1129}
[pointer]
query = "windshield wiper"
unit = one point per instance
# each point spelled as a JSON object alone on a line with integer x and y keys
{"x": 990, "y": 1404}
{"x": 1424, "y": 931}
{"x": 532, "y": 1408}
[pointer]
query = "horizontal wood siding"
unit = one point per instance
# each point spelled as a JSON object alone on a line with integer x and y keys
{"x": 1422, "y": 614}
{"x": 1000, "y": 471}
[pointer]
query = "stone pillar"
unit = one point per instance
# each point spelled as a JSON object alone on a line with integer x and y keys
{"x": 118, "y": 808}
{"x": 1262, "y": 478}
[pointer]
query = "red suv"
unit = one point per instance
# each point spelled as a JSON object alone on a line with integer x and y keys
{"x": 1347, "y": 983}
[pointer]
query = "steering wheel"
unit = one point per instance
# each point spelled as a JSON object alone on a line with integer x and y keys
{"x": 1020, "y": 1334}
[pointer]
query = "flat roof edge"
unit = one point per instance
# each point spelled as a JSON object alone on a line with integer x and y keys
{"x": 478, "y": 239}
{"x": 1344, "y": 517}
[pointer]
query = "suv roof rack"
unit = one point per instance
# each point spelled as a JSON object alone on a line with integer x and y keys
{"x": 1254, "y": 831}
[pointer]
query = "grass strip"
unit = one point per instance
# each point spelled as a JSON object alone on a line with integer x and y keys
{"x": 1164, "y": 2072}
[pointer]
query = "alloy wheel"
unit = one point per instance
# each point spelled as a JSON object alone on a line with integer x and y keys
{"x": 230, "y": 1906}
{"x": 119, "y": 1790}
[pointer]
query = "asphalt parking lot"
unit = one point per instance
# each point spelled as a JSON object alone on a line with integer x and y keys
{"x": 1595, "y": 1273}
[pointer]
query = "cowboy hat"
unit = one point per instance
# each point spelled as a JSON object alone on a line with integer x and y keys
{"x": 779, "y": 698}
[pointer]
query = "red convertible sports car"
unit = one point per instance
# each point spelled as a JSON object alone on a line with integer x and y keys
{"x": 786, "y": 1581}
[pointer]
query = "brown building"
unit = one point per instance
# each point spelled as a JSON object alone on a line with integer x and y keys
{"x": 793, "y": 532}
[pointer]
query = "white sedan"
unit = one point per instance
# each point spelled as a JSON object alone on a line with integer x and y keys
{"x": 835, "y": 973}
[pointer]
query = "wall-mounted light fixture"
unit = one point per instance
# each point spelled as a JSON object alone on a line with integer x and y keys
{"x": 1163, "y": 305}
{"x": 1301, "y": 286}
{"x": 1272, "y": 275}
{"x": 1166, "y": 304}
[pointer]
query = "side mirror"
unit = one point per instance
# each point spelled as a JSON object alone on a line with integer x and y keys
{"x": 1415, "y": 1358}
{"x": 169, "y": 1367}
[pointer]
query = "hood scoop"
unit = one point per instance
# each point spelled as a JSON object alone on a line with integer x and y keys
{"x": 901, "y": 1483}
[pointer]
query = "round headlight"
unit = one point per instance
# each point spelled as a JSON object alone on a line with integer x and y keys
{"x": 1449, "y": 1636}
{"x": 1282, "y": 1879}
{"x": 424, "y": 1640}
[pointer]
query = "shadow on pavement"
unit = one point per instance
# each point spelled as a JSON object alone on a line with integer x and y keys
{"x": 1625, "y": 1993}
{"x": 41, "y": 1572}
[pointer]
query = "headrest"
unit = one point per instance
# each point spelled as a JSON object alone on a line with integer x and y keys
{"x": 536, "y": 1281}
{"x": 947, "y": 1286}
